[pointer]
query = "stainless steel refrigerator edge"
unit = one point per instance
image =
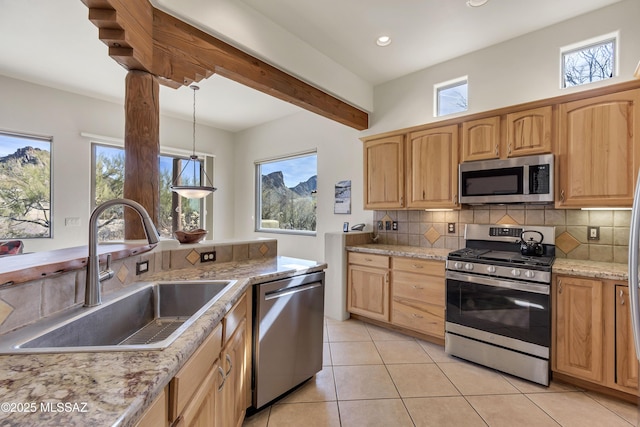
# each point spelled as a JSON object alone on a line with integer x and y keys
{"x": 288, "y": 317}
{"x": 634, "y": 243}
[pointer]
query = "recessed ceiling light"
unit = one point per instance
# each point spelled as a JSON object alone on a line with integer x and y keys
{"x": 383, "y": 41}
{"x": 476, "y": 3}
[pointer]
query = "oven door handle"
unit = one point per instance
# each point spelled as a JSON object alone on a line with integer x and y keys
{"x": 500, "y": 283}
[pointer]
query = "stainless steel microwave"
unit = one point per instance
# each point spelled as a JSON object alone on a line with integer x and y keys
{"x": 518, "y": 180}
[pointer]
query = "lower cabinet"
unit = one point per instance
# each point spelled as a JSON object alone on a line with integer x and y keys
{"x": 418, "y": 295}
{"x": 156, "y": 414}
{"x": 593, "y": 337}
{"x": 211, "y": 388}
{"x": 408, "y": 293}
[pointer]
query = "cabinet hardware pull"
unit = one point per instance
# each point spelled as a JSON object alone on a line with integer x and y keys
{"x": 368, "y": 259}
{"x": 416, "y": 316}
{"x": 621, "y": 298}
{"x": 386, "y": 278}
{"x": 497, "y": 151}
{"x": 417, "y": 266}
{"x": 417, "y": 287}
{"x": 224, "y": 378}
{"x": 228, "y": 358}
{"x": 562, "y": 196}
{"x": 178, "y": 422}
{"x": 559, "y": 286}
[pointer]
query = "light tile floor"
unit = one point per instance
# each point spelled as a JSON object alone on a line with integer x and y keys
{"x": 375, "y": 377}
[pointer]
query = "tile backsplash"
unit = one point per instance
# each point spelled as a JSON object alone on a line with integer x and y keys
{"x": 431, "y": 228}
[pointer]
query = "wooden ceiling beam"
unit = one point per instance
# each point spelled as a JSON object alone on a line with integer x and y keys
{"x": 141, "y": 37}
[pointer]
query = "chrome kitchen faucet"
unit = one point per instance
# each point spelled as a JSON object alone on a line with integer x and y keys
{"x": 92, "y": 293}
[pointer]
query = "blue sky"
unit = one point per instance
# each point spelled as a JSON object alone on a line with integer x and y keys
{"x": 295, "y": 170}
{"x": 9, "y": 144}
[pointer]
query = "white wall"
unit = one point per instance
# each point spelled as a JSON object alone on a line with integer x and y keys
{"x": 339, "y": 158}
{"x": 517, "y": 71}
{"x": 34, "y": 109}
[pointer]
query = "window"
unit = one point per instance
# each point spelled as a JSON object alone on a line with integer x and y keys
{"x": 286, "y": 194}
{"x": 451, "y": 97}
{"x": 25, "y": 186}
{"x": 591, "y": 61}
{"x": 175, "y": 212}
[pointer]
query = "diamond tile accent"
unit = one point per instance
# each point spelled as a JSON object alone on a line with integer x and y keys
{"x": 264, "y": 249}
{"x": 193, "y": 257}
{"x": 432, "y": 235}
{"x": 122, "y": 273}
{"x": 507, "y": 220}
{"x": 5, "y": 311}
{"x": 387, "y": 218}
{"x": 566, "y": 242}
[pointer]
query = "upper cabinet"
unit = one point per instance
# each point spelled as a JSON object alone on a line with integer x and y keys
{"x": 596, "y": 158}
{"x": 432, "y": 172}
{"x": 384, "y": 173}
{"x": 529, "y": 132}
{"x": 523, "y": 133}
{"x": 481, "y": 139}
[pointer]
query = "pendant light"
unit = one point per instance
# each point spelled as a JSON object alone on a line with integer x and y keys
{"x": 193, "y": 191}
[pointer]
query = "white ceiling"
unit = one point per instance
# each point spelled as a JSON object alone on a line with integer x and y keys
{"x": 53, "y": 43}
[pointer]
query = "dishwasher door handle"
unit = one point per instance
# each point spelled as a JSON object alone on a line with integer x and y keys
{"x": 290, "y": 291}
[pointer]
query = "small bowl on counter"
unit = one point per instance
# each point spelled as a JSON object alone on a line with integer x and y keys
{"x": 191, "y": 236}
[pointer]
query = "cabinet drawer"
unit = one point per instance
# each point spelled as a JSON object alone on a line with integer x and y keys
{"x": 188, "y": 379}
{"x": 156, "y": 414}
{"x": 369, "y": 260}
{"x": 422, "y": 266}
{"x": 418, "y": 287}
{"x": 233, "y": 318}
{"x": 425, "y": 318}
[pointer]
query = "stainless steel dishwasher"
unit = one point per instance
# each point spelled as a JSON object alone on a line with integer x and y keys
{"x": 288, "y": 318}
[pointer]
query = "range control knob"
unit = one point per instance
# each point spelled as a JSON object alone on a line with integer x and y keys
{"x": 491, "y": 269}
{"x": 468, "y": 266}
{"x": 515, "y": 272}
{"x": 458, "y": 265}
{"x": 529, "y": 274}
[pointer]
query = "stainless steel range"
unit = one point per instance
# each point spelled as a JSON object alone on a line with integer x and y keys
{"x": 498, "y": 299}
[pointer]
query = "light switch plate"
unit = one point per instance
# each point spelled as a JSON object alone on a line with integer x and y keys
{"x": 142, "y": 267}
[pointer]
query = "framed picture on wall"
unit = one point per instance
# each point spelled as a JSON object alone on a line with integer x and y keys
{"x": 342, "y": 204}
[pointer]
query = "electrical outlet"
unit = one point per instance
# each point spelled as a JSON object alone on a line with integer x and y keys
{"x": 207, "y": 256}
{"x": 387, "y": 225}
{"x": 451, "y": 227}
{"x": 380, "y": 226}
{"x": 142, "y": 267}
{"x": 593, "y": 233}
{"x": 394, "y": 225}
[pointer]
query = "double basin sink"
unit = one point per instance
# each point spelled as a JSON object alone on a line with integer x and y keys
{"x": 145, "y": 316}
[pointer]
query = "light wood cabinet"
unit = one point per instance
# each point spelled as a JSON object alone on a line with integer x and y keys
{"x": 156, "y": 414}
{"x": 418, "y": 295}
{"x": 596, "y": 156}
{"x": 529, "y": 132}
{"x": 233, "y": 389}
{"x": 432, "y": 172}
{"x": 593, "y": 338}
{"x": 368, "y": 285}
{"x": 481, "y": 139}
{"x": 625, "y": 356}
{"x": 579, "y": 328}
{"x": 384, "y": 173}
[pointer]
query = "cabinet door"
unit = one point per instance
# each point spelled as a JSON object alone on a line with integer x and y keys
{"x": 368, "y": 292}
{"x": 481, "y": 139}
{"x": 157, "y": 414}
{"x": 432, "y": 173}
{"x": 579, "y": 327}
{"x": 384, "y": 173}
{"x": 626, "y": 362}
{"x": 596, "y": 161}
{"x": 233, "y": 359}
{"x": 529, "y": 132}
{"x": 201, "y": 409}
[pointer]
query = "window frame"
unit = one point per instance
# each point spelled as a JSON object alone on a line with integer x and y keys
{"x": 449, "y": 84}
{"x": 603, "y": 39}
{"x": 258, "y": 194}
{"x": 44, "y": 138}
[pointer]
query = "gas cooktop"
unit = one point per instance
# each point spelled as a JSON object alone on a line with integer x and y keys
{"x": 502, "y": 257}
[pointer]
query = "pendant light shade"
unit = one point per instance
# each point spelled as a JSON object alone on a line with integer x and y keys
{"x": 193, "y": 191}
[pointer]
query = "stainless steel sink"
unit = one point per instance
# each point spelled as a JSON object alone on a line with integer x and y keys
{"x": 146, "y": 316}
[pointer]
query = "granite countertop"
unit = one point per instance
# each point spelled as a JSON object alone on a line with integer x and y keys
{"x": 571, "y": 267}
{"x": 115, "y": 388}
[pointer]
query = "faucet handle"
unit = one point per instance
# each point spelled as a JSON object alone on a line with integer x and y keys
{"x": 107, "y": 273}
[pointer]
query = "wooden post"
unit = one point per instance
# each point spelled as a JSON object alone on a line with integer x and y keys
{"x": 142, "y": 149}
